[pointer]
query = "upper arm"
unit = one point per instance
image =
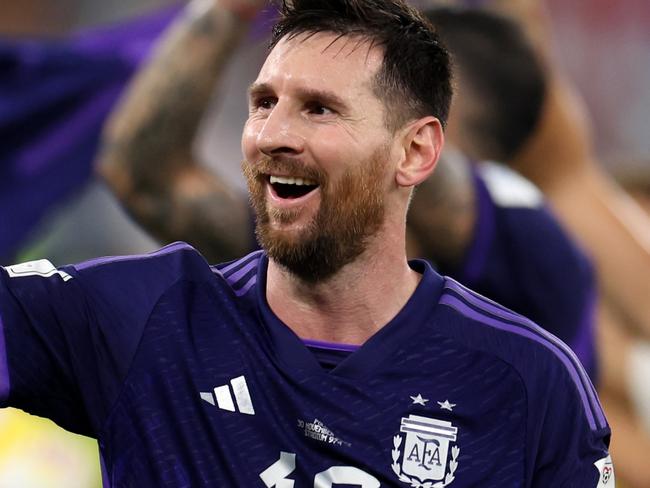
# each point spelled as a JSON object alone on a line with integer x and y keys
{"x": 147, "y": 152}
{"x": 196, "y": 206}
{"x": 69, "y": 337}
{"x": 561, "y": 148}
{"x": 212, "y": 216}
{"x": 571, "y": 432}
{"x": 611, "y": 228}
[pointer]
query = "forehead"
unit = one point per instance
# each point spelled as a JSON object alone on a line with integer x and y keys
{"x": 323, "y": 61}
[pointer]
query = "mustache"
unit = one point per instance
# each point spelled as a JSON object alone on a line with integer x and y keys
{"x": 283, "y": 165}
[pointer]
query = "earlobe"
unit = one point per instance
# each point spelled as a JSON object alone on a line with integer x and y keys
{"x": 423, "y": 142}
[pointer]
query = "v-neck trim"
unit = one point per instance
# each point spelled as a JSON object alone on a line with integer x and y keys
{"x": 293, "y": 354}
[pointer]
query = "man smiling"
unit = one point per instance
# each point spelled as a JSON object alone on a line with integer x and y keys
{"x": 325, "y": 359}
{"x": 323, "y": 122}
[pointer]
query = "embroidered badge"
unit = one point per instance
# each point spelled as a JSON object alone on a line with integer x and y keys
{"x": 421, "y": 452}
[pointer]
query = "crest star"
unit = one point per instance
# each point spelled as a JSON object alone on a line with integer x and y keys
{"x": 446, "y": 405}
{"x": 419, "y": 400}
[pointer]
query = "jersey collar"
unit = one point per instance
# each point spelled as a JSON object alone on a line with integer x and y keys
{"x": 291, "y": 352}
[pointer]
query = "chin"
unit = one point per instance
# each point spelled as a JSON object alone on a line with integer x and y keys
{"x": 293, "y": 231}
{"x": 288, "y": 236}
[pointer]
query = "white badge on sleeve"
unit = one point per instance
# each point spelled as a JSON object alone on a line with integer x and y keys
{"x": 606, "y": 470}
{"x": 42, "y": 268}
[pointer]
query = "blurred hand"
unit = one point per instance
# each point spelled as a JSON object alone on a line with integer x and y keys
{"x": 245, "y": 9}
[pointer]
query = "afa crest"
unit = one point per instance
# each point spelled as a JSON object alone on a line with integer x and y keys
{"x": 421, "y": 452}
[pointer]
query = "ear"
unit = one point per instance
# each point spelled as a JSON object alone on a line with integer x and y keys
{"x": 422, "y": 143}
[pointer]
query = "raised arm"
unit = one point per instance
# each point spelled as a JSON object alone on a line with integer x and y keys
{"x": 608, "y": 224}
{"x": 147, "y": 157}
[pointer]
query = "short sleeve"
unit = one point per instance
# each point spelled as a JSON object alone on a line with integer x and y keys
{"x": 69, "y": 335}
{"x": 573, "y": 434}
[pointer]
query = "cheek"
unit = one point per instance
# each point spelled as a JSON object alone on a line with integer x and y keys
{"x": 335, "y": 150}
{"x": 249, "y": 140}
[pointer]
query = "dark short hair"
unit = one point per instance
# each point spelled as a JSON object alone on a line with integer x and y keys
{"x": 495, "y": 61}
{"x": 415, "y": 78}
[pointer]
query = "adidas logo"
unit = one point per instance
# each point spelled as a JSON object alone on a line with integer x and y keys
{"x": 224, "y": 398}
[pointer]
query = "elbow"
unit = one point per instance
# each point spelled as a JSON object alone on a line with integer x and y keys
{"x": 115, "y": 175}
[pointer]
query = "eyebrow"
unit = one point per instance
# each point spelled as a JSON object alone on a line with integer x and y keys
{"x": 326, "y": 97}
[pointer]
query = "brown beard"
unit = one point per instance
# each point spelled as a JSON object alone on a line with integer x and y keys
{"x": 350, "y": 212}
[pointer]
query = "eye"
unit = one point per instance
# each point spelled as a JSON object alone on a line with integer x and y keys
{"x": 263, "y": 103}
{"x": 317, "y": 108}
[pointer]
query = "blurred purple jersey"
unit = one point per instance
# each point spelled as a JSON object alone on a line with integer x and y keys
{"x": 54, "y": 99}
{"x": 522, "y": 258}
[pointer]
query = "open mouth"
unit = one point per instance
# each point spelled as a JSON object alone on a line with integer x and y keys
{"x": 291, "y": 188}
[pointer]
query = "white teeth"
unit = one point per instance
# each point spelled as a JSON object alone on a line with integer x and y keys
{"x": 291, "y": 181}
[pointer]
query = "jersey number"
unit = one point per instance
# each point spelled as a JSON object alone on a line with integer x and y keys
{"x": 276, "y": 475}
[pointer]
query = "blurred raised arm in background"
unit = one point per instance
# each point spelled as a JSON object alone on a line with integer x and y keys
{"x": 562, "y": 161}
{"x": 148, "y": 158}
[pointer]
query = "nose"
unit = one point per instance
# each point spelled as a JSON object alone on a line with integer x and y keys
{"x": 280, "y": 133}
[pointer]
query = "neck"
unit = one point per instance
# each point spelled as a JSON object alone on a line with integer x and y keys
{"x": 352, "y": 305}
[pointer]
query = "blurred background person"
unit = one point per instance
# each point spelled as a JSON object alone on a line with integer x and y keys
{"x": 635, "y": 180}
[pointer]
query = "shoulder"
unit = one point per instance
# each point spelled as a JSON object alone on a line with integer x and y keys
{"x": 530, "y": 235}
{"x": 171, "y": 263}
{"x": 508, "y": 188}
{"x": 241, "y": 275}
{"x": 156, "y": 269}
{"x": 522, "y": 210}
{"x": 147, "y": 277}
{"x": 546, "y": 365}
{"x": 115, "y": 282}
{"x": 154, "y": 273}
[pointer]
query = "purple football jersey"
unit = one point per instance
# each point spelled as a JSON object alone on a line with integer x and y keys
{"x": 188, "y": 379}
